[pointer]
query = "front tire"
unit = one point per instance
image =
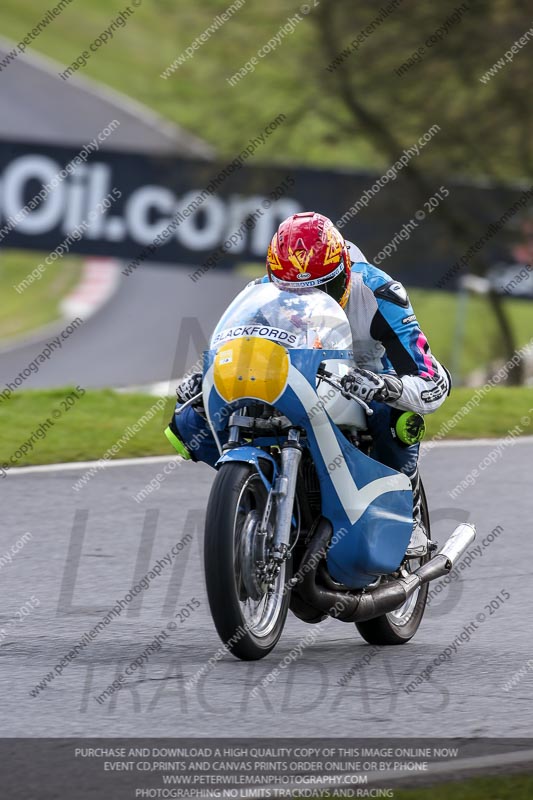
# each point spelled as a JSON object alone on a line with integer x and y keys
{"x": 400, "y": 625}
{"x": 248, "y": 620}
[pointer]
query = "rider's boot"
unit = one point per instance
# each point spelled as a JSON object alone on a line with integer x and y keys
{"x": 418, "y": 544}
{"x": 173, "y": 436}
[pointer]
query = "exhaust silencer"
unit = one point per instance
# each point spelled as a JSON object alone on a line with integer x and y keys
{"x": 362, "y": 605}
{"x": 445, "y": 560}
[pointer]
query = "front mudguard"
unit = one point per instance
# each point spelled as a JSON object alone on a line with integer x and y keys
{"x": 252, "y": 455}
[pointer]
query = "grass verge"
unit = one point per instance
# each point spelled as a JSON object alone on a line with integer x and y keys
{"x": 86, "y": 430}
{"x": 500, "y": 411}
{"x": 94, "y": 423}
{"x": 437, "y": 313}
{"x": 38, "y": 303}
{"x": 506, "y": 787}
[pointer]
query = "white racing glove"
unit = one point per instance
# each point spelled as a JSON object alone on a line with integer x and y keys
{"x": 188, "y": 388}
{"x": 368, "y": 386}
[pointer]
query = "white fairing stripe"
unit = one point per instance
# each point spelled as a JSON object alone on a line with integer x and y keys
{"x": 354, "y": 501}
{"x": 207, "y": 387}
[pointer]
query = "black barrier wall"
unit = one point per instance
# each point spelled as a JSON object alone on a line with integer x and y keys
{"x": 142, "y": 209}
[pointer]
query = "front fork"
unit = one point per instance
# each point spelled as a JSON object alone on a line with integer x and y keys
{"x": 284, "y": 491}
{"x": 281, "y": 497}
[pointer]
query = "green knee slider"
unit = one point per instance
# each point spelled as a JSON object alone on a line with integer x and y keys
{"x": 410, "y": 427}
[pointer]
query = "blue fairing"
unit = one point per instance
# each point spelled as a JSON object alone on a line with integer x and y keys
{"x": 372, "y": 522}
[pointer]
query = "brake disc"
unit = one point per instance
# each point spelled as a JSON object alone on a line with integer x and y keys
{"x": 253, "y": 557}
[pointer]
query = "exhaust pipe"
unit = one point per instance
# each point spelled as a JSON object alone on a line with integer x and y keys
{"x": 350, "y": 606}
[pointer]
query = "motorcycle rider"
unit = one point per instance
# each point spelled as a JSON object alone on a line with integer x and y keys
{"x": 396, "y": 370}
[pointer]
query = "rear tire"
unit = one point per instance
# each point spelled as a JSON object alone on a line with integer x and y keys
{"x": 400, "y": 625}
{"x": 236, "y": 503}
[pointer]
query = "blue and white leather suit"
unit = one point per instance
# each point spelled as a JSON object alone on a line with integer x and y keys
{"x": 386, "y": 339}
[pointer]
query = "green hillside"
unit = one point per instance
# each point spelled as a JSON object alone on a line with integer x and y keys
{"x": 197, "y": 95}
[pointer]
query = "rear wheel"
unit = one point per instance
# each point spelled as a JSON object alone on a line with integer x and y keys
{"x": 400, "y": 625}
{"x": 248, "y": 610}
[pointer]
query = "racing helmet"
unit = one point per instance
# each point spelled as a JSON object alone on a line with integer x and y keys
{"x": 308, "y": 250}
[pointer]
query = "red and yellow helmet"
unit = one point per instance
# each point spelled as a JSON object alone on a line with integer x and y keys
{"x": 308, "y": 250}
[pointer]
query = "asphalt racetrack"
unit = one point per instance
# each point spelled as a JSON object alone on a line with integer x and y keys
{"x": 153, "y": 329}
{"x": 89, "y": 547}
{"x": 134, "y": 338}
{"x": 40, "y": 106}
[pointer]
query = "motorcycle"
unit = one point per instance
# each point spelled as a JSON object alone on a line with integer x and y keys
{"x": 300, "y": 516}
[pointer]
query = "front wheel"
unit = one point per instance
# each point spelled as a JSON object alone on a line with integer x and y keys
{"x": 400, "y": 625}
{"x": 249, "y": 611}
